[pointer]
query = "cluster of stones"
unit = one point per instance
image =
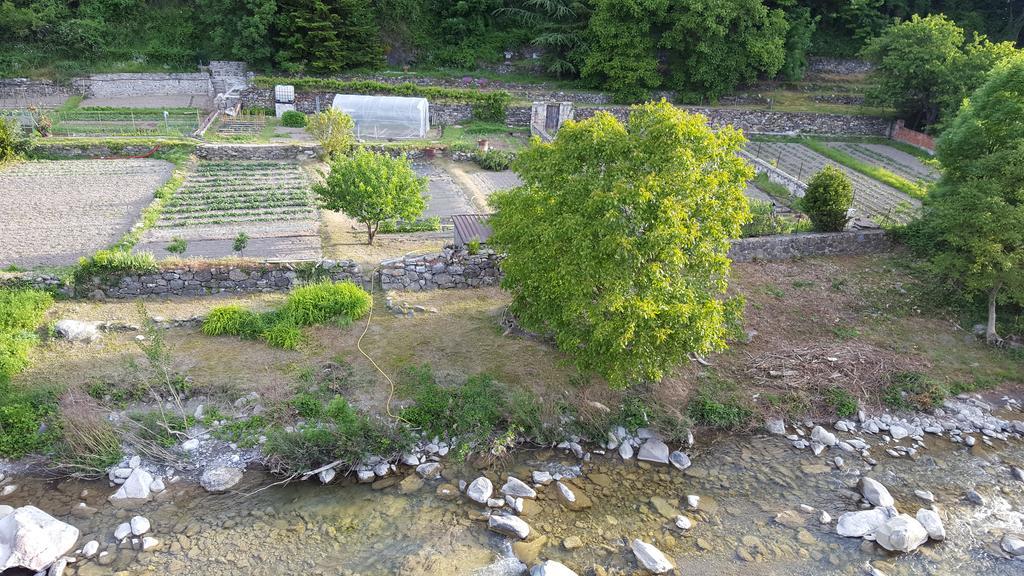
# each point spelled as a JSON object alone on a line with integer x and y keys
{"x": 963, "y": 420}
{"x": 195, "y": 281}
{"x": 403, "y": 309}
{"x": 451, "y": 268}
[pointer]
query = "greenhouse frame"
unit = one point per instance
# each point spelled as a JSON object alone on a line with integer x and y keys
{"x": 386, "y": 117}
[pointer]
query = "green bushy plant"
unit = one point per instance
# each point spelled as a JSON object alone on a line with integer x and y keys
{"x": 718, "y": 404}
{"x": 177, "y": 245}
{"x": 13, "y": 142}
{"x": 21, "y": 311}
{"x": 494, "y": 160}
{"x": 106, "y": 262}
{"x": 828, "y": 199}
{"x": 842, "y": 401}
{"x": 293, "y": 119}
{"x": 284, "y": 333}
{"x": 491, "y": 106}
{"x": 233, "y": 320}
{"x": 431, "y": 224}
{"x": 326, "y": 301}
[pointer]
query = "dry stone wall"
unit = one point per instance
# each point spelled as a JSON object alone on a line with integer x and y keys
{"x": 450, "y": 268}
{"x": 145, "y": 84}
{"x": 792, "y": 246}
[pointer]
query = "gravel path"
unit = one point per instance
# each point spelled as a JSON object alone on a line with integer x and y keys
{"x": 54, "y": 212}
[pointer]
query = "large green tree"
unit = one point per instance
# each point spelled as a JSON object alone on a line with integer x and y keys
{"x": 973, "y": 223}
{"x": 620, "y": 53}
{"x": 925, "y": 67}
{"x": 247, "y": 35}
{"x": 617, "y": 241}
{"x": 327, "y": 36}
{"x": 715, "y": 46}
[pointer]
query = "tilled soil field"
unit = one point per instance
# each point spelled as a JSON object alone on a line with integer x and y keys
{"x": 893, "y": 160}
{"x": 271, "y": 202}
{"x": 871, "y": 198}
{"x": 54, "y": 212}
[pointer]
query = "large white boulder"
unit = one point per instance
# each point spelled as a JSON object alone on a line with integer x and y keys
{"x": 480, "y": 490}
{"x": 511, "y": 526}
{"x": 136, "y": 487}
{"x": 32, "y": 539}
{"x": 77, "y": 330}
{"x": 901, "y": 534}
{"x": 875, "y": 493}
{"x": 932, "y": 523}
{"x": 822, "y": 436}
{"x": 220, "y": 479}
{"x": 650, "y": 557}
{"x": 857, "y": 524}
{"x": 654, "y": 450}
{"x": 551, "y": 568}
{"x": 516, "y": 488}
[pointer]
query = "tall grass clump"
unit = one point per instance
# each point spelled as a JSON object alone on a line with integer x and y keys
{"x": 106, "y": 262}
{"x": 89, "y": 442}
{"x": 317, "y": 303}
{"x": 21, "y": 311}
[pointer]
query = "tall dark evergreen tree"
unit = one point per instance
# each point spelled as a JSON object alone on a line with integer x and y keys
{"x": 327, "y": 36}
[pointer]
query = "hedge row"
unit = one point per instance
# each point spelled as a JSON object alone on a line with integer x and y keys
{"x": 454, "y": 95}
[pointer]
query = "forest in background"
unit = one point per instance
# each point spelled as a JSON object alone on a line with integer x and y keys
{"x": 701, "y": 49}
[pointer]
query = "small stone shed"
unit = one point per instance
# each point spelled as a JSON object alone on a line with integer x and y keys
{"x": 469, "y": 227}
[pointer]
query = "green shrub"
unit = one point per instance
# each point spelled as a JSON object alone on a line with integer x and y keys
{"x": 844, "y": 403}
{"x": 473, "y": 247}
{"x": 13, "y": 142}
{"x": 20, "y": 425}
{"x": 827, "y": 200}
{"x": 177, "y": 245}
{"x": 912, "y": 390}
{"x": 718, "y": 404}
{"x": 491, "y": 106}
{"x": 106, "y": 262}
{"x": 326, "y": 301}
{"x": 494, "y": 160}
{"x": 235, "y": 321}
{"x": 765, "y": 222}
{"x": 284, "y": 333}
{"x": 293, "y": 119}
{"x": 21, "y": 311}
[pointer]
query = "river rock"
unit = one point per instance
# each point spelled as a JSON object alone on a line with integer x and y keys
{"x": 925, "y": 495}
{"x": 1012, "y": 544}
{"x": 790, "y": 519}
{"x": 149, "y": 543}
{"x": 410, "y": 484}
{"x": 679, "y": 459}
{"x": 898, "y": 432}
{"x": 625, "y": 450}
{"x": 650, "y": 557}
{"x": 136, "y": 487}
{"x": 429, "y": 470}
{"x": 32, "y": 539}
{"x": 551, "y": 568}
{"x": 974, "y": 497}
{"x": 511, "y": 526}
{"x": 90, "y": 549}
{"x": 77, "y": 330}
{"x": 365, "y": 476}
{"x": 157, "y": 485}
{"x": 122, "y": 531}
{"x": 901, "y": 534}
{"x": 857, "y": 524}
{"x": 654, "y": 450}
{"x": 775, "y": 426}
{"x": 875, "y": 493}
{"x": 220, "y": 479}
{"x": 822, "y": 436}
{"x": 683, "y": 522}
{"x": 326, "y": 476}
{"x": 542, "y": 477}
{"x": 5, "y": 510}
{"x": 932, "y": 523}
{"x": 516, "y": 488}
{"x": 480, "y": 490}
{"x": 140, "y": 525}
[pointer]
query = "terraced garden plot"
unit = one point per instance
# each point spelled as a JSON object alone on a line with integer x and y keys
{"x": 53, "y": 212}
{"x": 871, "y": 198}
{"x": 892, "y": 159}
{"x": 270, "y": 201}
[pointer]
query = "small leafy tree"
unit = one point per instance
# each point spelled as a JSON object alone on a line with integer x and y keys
{"x": 616, "y": 243}
{"x": 828, "y": 199}
{"x": 13, "y": 142}
{"x": 241, "y": 241}
{"x": 373, "y": 188}
{"x": 973, "y": 223}
{"x": 333, "y": 129}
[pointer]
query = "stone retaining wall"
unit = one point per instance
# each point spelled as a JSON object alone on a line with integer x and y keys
{"x": 450, "y": 268}
{"x": 792, "y": 184}
{"x": 28, "y": 89}
{"x": 199, "y": 279}
{"x": 257, "y": 151}
{"x": 145, "y": 84}
{"x": 791, "y": 246}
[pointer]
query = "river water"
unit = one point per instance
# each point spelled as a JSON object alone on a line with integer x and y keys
{"x": 743, "y": 482}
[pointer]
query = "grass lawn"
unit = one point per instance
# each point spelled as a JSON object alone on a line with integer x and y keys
{"x": 822, "y": 326}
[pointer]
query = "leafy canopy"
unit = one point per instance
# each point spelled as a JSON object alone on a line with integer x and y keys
{"x": 925, "y": 67}
{"x": 333, "y": 129}
{"x": 973, "y": 223}
{"x": 616, "y": 243}
{"x": 372, "y": 188}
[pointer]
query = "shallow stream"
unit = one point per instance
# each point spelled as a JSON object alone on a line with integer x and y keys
{"x": 397, "y": 527}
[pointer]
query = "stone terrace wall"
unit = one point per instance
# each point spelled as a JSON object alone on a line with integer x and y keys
{"x": 791, "y": 183}
{"x": 768, "y": 122}
{"x": 257, "y": 151}
{"x": 198, "y": 279}
{"x": 148, "y": 84}
{"x": 450, "y": 268}
{"x": 28, "y": 89}
{"x": 791, "y": 246}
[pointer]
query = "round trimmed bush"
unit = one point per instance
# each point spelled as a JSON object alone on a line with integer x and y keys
{"x": 828, "y": 199}
{"x": 293, "y": 119}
